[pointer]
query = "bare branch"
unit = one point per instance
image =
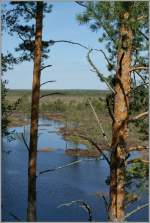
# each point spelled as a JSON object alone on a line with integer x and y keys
{"x": 50, "y": 94}
{"x": 142, "y": 115}
{"x": 146, "y": 37}
{"x": 14, "y": 216}
{"x": 141, "y": 17}
{"x": 137, "y": 160}
{"x": 42, "y": 68}
{"x": 66, "y": 165}
{"x": 141, "y": 85}
{"x": 82, "y": 204}
{"x": 28, "y": 11}
{"x": 100, "y": 75}
{"x": 22, "y": 135}
{"x": 47, "y": 82}
{"x": 138, "y": 68}
{"x": 61, "y": 167}
{"x": 140, "y": 76}
{"x": 137, "y": 209}
{"x": 99, "y": 50}
{"x": 83, "y": 46}
{"x": 19, "y": 34}
{"x": 81, "y": 4}
{"x": 109, "y": 109}
{"x": 94, "y": 144}
{"x": 137, "y": 148}
{"x": 99, "y": 123}
{"x": 68, "y": 41}
{"x": 106, "y": 203}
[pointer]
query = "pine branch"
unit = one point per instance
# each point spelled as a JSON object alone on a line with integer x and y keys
{"x": 137, "y": 209}
{"x": 143, "y": 34}
{"x": 142, "y": 115}
{"x": 83, "y": 46}
{"x": 99, "y": 123}
{"x": 81, "y": 4}
{"x": 109, "y": 109}
{"x": 141, "y": 85}
{"x": 66, "y": 165}
{"x": 99, "y": 50}
{"x": 137, "y": 148}
{"x": 94, "y": 144}
{"x": 105, "y": 203}
{"x": 61, "y": 167}
{"x": 82, "y": 204}
{"x": 50, "y": 94}
{"x": 100, "y": 75}
{"x": 15, "y": 217}
{"x": 22, "y": 135}
{"x": 47, "y": 82}
{"x": 141, "y": 17}
{"x": 42, "y": 68}
{"x": 140, "y": 76}
{"x": 68, "y": 41}
{"x": 97, "y": 17}
{"x": 138, "y": 68}
{"x": 28, "y": 11}
{"x": 137, "y": 160}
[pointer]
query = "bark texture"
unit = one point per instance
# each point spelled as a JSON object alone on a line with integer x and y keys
{"x": 31, "y": 212}
{"x": 120, "y": 124}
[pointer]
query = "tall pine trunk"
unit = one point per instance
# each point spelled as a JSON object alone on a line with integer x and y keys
{"x": 120, "y": 125}
{"x": 31, "y": 212}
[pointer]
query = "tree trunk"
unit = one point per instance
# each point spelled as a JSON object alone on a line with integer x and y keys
{"x": 31, "y": 212}
{"x": 120, "y": 125}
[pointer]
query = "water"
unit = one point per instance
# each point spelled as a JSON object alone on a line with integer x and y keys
{"x": 77, "y": 182}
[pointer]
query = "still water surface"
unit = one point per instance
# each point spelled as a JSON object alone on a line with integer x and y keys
{"x": 77, "y": 182}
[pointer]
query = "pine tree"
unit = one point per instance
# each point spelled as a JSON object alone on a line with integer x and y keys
{"x": 124, "y": 28}
{"x": 33, "y": 48}
{"x": 7, "y": 62}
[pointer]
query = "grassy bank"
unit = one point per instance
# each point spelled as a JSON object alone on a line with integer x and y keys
{"x": 72, "y": 108}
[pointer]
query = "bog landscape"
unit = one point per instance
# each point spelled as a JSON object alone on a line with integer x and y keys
{"x": 74, "y": 99}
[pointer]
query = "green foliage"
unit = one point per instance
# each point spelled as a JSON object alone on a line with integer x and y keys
{"x": 20, "y": 19}
{"x": 7, "y": 108}
{"x": 139, "y": 101}
{"x": 137, "y": 176}
{"x": 99, "y": 17}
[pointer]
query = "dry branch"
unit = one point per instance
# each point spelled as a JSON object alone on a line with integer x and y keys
{"x": 83, "y": 46}
{"x": 50, "y": 94}
{"x": 137, "y": 148}
{"x": 81, "y": 204}
{"x": 95, "y": 145}
{"x": 138, "y": 68}
{"x": 139, "y": 86}
{"x": 15, "y": 217}
{"x": 142, "y": 115}
{"x": 109, "y": 109}
{"x": 137, "y": 209}
{"x": 99, "y": 123}
{"x": 137, "y": 160}
{"x": 46, "y": 82}
{"x": 146, "y": 37}
{"x": 42, "y": 68}
{"x": 100, "y": 75}
{"x": 63, "y": 166}
{"x": 23, "y": 138}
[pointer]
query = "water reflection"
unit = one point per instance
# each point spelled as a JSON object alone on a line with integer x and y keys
{"x": 82, "y": 181}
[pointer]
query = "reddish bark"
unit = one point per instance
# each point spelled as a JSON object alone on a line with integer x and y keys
{"x": 120, "y": 124}
{"x": 31, "y": 212}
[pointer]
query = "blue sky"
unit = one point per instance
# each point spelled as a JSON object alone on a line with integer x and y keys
{"x": 70, "y": 69}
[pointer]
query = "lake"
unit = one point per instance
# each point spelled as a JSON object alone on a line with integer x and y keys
{"x": 81, "y": 181}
